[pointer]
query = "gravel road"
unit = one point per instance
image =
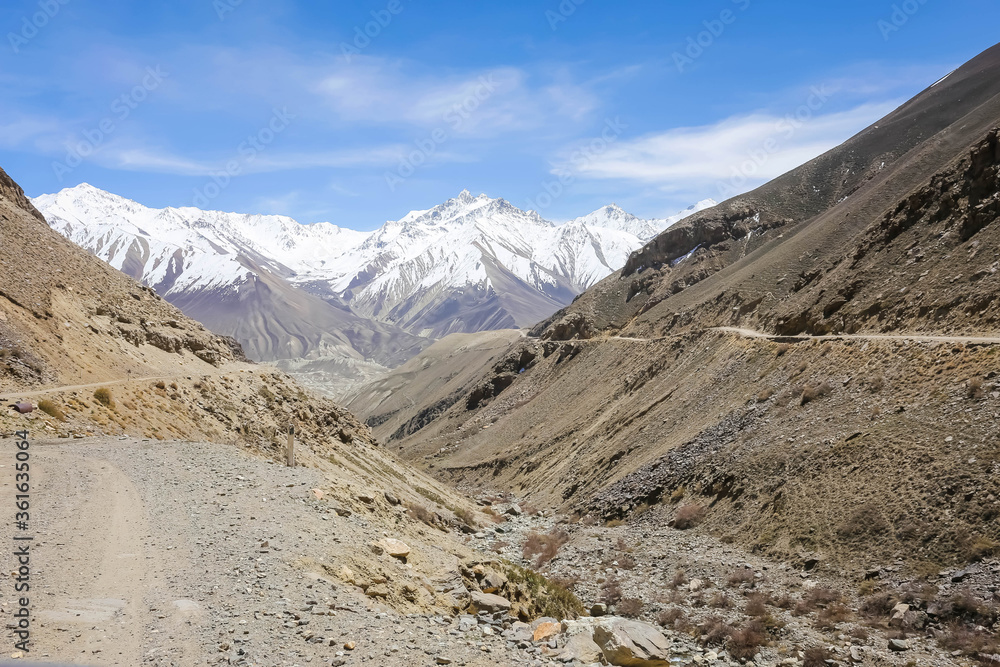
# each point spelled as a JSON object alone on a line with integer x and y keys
{"x": 199, "y": 554}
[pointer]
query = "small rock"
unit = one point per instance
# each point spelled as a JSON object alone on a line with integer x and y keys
{"x": 546, "y": 630}
{"x": 857, "y": 654}
{"x": 899, "y": 645}
{"x": 599, "y": 609}
{"x": 391, "y": 499}
{"x": 514, "y": 510}
{"x": 349, "y": 646}
{"x": 318, "y": 493}
{"x": 441, "y": 660}
{"x": 488, "y": 602}
{"x": 696, "y": 585}
{"x": 395, "y": 548}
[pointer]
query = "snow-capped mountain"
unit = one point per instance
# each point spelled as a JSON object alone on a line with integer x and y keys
{"x": 469, "y": 264}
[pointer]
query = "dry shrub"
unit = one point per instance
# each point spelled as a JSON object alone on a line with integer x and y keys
{"x": 782, "y": 349}
{"x": 688, "y": 516}
{"x": 104, "y": 397}
{"x": 568, "y": 581}
{"x": 680, "y": 578}
{"x": 876, "y": 383}
{"x": 744, "y": 643}
{"x": 864, "y": 522}
{"x": 626, "y": 562}
{"x": 544, "y": 547}
{"x": 966, "y": 606}
{"x": 816, "y": 657}
{"x": 668, "y": 617}
{"x": 421, "y": 513}
{"x": 957, "y": 636}
{"x": 611, "y": 592}
{"x": 629, "y": 608}
{"x": 877, "y": 606}
{"x": 831, "y": 615}
{"x": 740, "y": 576}
{"x": 786, "y": 601}
{"x": 756, "y": 606}
{"x": 614, "y": 523}
{"x": 715, "y": 631}
{"x": 801, "y": 368}
{"x": 720, "y": 600}
{"x": 821, "y": 596}
{"x": 467, "y": 517}
{"x": 765, "y": 394}
{"x": 975, "y": 389}
{"x": 677, "y": 495}
{"x": 499, "y": 546}
{"x": 810, "y": 394}
{"x": 52, "y": 410}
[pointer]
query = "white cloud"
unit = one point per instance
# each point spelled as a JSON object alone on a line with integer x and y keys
{"x": 740, "y": 151}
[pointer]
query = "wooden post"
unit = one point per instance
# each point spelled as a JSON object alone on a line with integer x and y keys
{"x": 290, "y": 448}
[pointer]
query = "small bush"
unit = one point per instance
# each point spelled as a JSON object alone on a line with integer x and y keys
{"x": 810, "y": 394}
{"x": 467, "y": 517}
{"x": 421, "y": 513}
{"x": 715, "y": 631}
{"x": 782, "y": 349}
{"x": 104, "y": 397}
{"x": 740, "y": 576}
{"x": 831, "y": 615}
{"x": 877, "y": 606}
{"x": 680, "y": 578}
{"x": 626, "y": 562}
{"x": 975, "y": 389}
{"x": 677, "y": 495}
{"x": 52, "y": 410}
{"x": 720, "y": 600}
{"x": 744, "y": 643}
{"x": 614, "y": 523}
{"x": 816, "y": 657}
{"x": 611, "y": 592}
{"x": 668, "y": 617}
{"x": 756, "y": 606}
{"x": 630, "y": 608}
{"x": 801, "y": 368}
{"x": 765, "y": 394}
{"x": 688, "y": 516}
{"x": 543, "y": 547}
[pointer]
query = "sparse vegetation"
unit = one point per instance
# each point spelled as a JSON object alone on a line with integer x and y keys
{"x": 668, "y": 617}
{"x": 611, "y": 592}
{"x": 975, "y": 389}
{"x": 688, "y": 516}
{"x": 104, "y": 397}
{"x": 630, "y": 608}
{"x": 52, "y": 410}
{"x": 740, "y": 576}
{"x": 782, "y": 349}
{"x": 744, "y": 643}
{"x": 765, "y": 394}
{"x": 543, "y": 547}
{"x": 812, "y": 393}
{"x": 817, "y": 656}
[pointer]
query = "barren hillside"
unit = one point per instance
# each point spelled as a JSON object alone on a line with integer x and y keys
{"x": 873, "y": 445}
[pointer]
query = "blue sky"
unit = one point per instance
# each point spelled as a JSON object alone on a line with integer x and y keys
{"x": 290, "y": 107}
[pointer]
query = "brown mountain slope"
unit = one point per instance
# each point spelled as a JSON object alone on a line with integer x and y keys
{"x": 852, "y": 448}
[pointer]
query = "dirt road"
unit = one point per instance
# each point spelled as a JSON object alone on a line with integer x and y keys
{"x": 178, "y": 554}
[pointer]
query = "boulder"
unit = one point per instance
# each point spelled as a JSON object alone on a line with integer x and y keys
{"x": 899, "y": 645}
{"x": 493, "y": 582}
{"x": 632, "y": 644}
{"x": 395, "y": 548}
{"x": 599, "y": 609}
{"x": 546, "y": 630}
{"x": 488, "y": 602}
{"x": 581, "y": 649}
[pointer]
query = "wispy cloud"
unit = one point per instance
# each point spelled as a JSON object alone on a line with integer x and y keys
{"x": 698, "y": 159}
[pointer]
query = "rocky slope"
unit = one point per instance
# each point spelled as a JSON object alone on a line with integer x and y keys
{"x": 870, "y": 446}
